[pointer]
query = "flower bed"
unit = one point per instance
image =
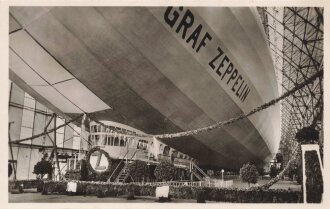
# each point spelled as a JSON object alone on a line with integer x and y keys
{"x": 102, "y": 189}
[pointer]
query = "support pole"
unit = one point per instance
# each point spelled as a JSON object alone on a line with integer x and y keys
{"x": 191, "y": 173}
{"x": 45, "y": 130}
{"x": 126, "y": 150}
{"x": 69, "y": 163}
{"x": 11, "y": 149}
{"x": 82, "y": 135}
{"x": 75, "y": 161}
{"x": 55, "y": 150}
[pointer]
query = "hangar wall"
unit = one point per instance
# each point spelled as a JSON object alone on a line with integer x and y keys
{"x": 29, "y": 118}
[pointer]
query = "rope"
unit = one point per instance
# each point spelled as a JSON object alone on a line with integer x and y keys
{"x": 232, "y": 120}
{"x": 242, "y": 116}
{"x": 46, "y": 132}
{"x": 281, "y": 174}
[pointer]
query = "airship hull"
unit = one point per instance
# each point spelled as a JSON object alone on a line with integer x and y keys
{"x": 165, "y": 70}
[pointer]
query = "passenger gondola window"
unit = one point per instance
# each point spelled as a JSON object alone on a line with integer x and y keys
{"x": 105, "y": 140}
{"x": 122, "y": 143}
{"x": 116, "y": 142}
{"x": 93, "y": 129}
{"x": 166, "y": 151}
{"x": 97, "y": 139}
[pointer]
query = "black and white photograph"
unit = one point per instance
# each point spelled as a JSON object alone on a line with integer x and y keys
{"x": 165, "y": 104}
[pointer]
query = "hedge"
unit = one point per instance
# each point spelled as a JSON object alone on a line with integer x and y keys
{"x": 94, "y": 188}
{"x": 234, "y": 195}
{"x": 314, "y": 181}
{"x": 27, "y": 184}
{"x": 237, "y": 195}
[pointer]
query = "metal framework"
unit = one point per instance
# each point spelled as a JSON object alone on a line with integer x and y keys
{"x": 295, "y": 37}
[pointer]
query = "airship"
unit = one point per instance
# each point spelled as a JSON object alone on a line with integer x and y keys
{"x": 157, "y": 69}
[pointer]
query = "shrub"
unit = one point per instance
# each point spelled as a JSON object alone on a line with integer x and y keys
{"x": 130, "y": 191}
{"x": 293, "y": 170}
{"x": 279, "y": 157}
{"x": 164, "y": 171}
{"x": 10, "y": 169}
{"x": 307, "y": 135}
{"x": 273, "y": 171}
{"x": 54, "y": 187}
{"x": 73, "y": 175}
{"x": 84, "y": 171}
{"x": 100, "y": 193}
{"x": 20, "y": 189}
{"x": 200, "y": 195}
{"x": 249, "y": 173}
{"x": 261, "y": 170}
{"x": 138, "y": 170}
{"x": 43, "y": 167}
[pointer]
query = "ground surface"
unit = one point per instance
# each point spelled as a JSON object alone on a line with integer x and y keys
{"x": 279, "y": 185}
{"x": 37, "y": 197}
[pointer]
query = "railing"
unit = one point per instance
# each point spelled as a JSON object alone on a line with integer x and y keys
{"x": 61, "y": 171}
{"x": 141, "y": 155}
{"x": 124, "y": 165}
{"x": 219, "y": 183}
{"x": 193, "y": 165}
{"x": 199, "y": 173}
{"x": 163, "y": 157}
{"x": 117, "y": 166}
{"x": 211, "y": 183}
{"x": 180, "y": 161}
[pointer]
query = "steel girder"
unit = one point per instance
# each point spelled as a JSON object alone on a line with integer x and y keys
{"x": 295, "y": 38}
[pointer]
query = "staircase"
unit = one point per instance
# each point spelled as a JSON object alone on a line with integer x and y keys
{"x": 122, "y": 167}
{"x": 198, "y": 172}
{"x": 199, "y": 177}
{"x": 123, "y": 174}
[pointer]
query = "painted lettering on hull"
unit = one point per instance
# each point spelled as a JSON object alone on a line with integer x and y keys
{"x": 183, "y": 23}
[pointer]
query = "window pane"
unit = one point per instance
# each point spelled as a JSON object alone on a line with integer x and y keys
{"x": 59, "y": 139}
{"x": 59, "y": 122}
{"x": 28, "y": 96}
{"x": 17, "y": 95}
{"x": 27, "y": 118}
{"x": 76, "y": 138}
{"x": 40, "y": 107}
{"x": 25, "y": 133}
{"x": 29, "y": 101}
